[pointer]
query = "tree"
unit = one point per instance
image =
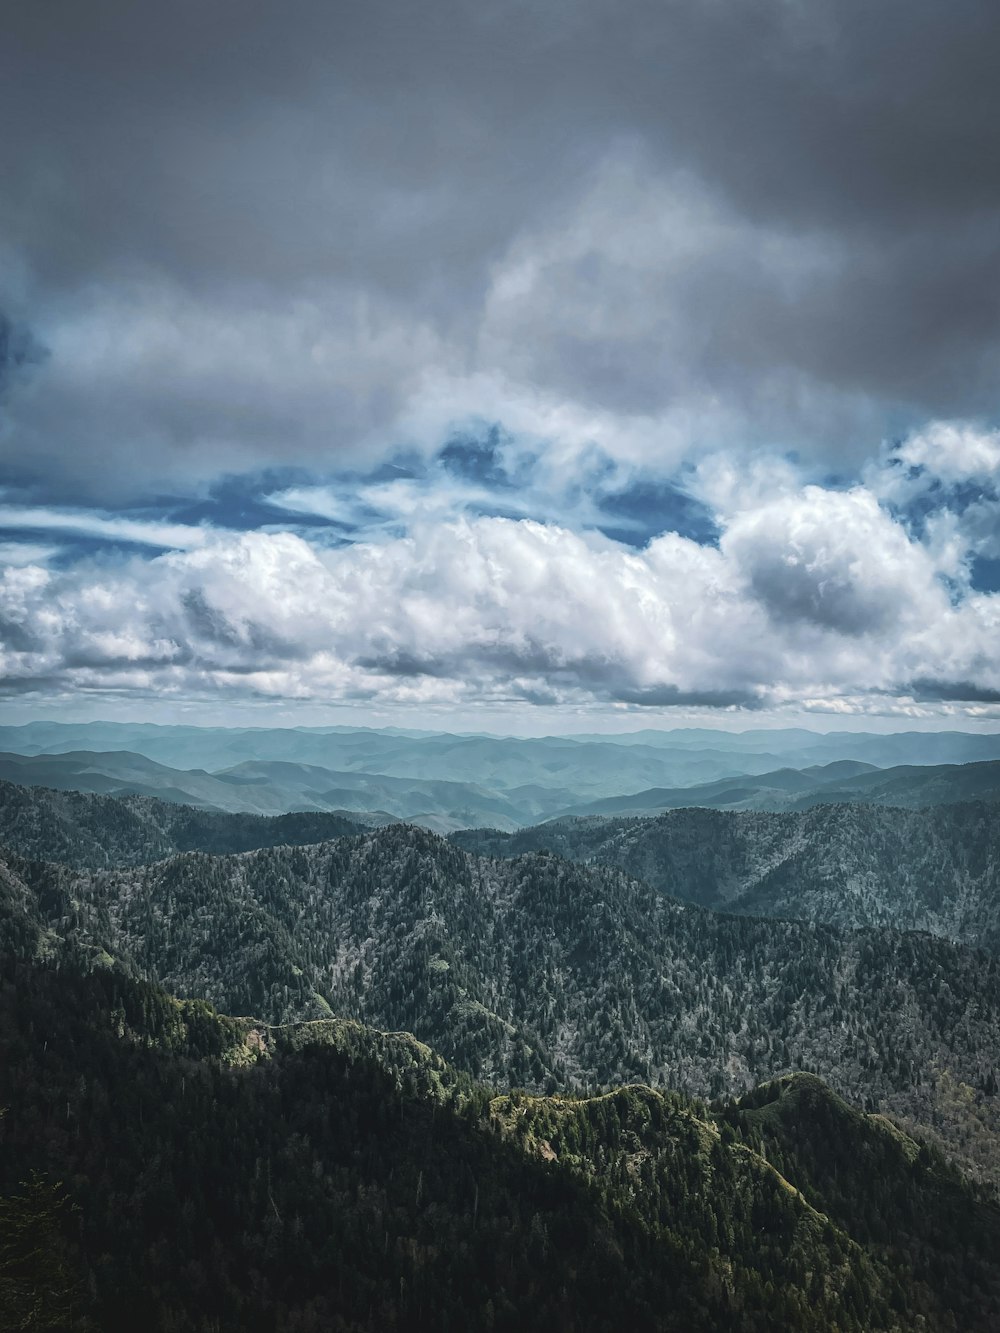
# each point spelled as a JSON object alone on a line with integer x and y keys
{"x": 38, "y": 1288}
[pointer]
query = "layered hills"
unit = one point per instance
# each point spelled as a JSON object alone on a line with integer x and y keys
{"x": 534, "y": 971}
{"x": 678, "y": 756}
{"x": 840, "y": 782}
{"x": 853, "y": 866}
{"x": 93, "y": 831}
{"x": 469, "y": 1086}
{"x": 277, "y": 786}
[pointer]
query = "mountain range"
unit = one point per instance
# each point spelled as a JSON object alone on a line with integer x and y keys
{"x": 535, "y": 972}
{"x": 853, "y": 866}
{"x": 94, "y": 831}
{"x": 276, "y": 786}
{"x": 700, "y": 1069}
{"x": 843, "y": 780}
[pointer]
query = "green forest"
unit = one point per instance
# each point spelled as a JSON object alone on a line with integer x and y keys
{"x": 466, "y": 1091}
{"x": 168, "y": 1168}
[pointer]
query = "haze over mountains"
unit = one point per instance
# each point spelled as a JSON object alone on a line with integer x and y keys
{"x": 448, "y": 782}
{"x": 697, "y": 750}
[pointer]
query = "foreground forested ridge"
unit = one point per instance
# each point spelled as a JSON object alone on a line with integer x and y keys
{"x": 226, "y": 1175}
{"x": 851, "y": 865}
{"x": 535, "y": 971}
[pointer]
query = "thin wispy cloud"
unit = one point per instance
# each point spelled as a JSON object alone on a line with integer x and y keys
{"x": 107, "y": 527}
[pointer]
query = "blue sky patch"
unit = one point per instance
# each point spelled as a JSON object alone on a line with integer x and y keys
{"x": 985, "y": 574}
{"x": 648, "y": 508}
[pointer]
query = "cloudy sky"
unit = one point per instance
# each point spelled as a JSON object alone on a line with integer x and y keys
{"x": 604, "y": 364}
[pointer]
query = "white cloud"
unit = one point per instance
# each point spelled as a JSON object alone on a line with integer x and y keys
{"x": 945, "y": 480}
{"x": 108, "y": 527}
{"x": 954, "y": 451}
{"x": 814, "y": 596}
{"x": 942, "y": 455}
{"x": 26, "y": 553}
{"x": 834, "y": 560}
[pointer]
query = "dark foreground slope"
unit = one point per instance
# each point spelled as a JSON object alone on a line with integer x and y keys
{"x": 228, "y": 1176}
{"x": 535, "y": 971}
{"x": 848, "y": 865}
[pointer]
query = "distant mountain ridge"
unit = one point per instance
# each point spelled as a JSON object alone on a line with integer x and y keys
{"x": 94, "y": 831}
{"x": 579, "y": 769}
{"x": 842, "y": 781}
{"x": 583, "y": 767}
{"x": 274, "y": 787}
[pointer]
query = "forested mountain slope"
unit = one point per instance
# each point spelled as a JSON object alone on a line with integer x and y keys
{"x": 937, "y": 870}
{"x": 912, "y": 786}
{"x": 850, "y": 865}
{"x": 93, "y": 831}
{"x": 224, "y": 1176}
{"x": 535, "y": 971}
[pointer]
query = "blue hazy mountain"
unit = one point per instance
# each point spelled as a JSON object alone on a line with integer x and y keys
{"x": 844, "y": 781}
{"x": 450, "y": 781}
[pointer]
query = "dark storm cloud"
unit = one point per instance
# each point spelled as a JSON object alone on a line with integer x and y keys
{"x": 669, "y": 696}
{"x": 962, "y": 691}
{"x": 291, "y": 213}
{"x": 477, "y": 460}
{"x": 19, "y": 353}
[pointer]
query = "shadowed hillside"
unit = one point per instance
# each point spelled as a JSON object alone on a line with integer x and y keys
{"x": 223, "y": 1175}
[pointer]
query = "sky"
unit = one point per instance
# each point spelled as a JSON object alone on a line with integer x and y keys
{"x": 529, "y": 365}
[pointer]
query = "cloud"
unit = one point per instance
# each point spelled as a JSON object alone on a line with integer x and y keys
{"x": 834, "y": 560}
{"x": 251, "y": 243}
{"x": 954, "y": 462}
{"x": 817, "y": 595}
{"x": 19, "y": 353}
{"x": 26, "y": 553}
{"x": 107, "y": 527}
{"x": 953, "y": 452}
{"x": 943, "y": 482}
{"x": 483, "y": 471}
{"x": 545, "y": 350}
